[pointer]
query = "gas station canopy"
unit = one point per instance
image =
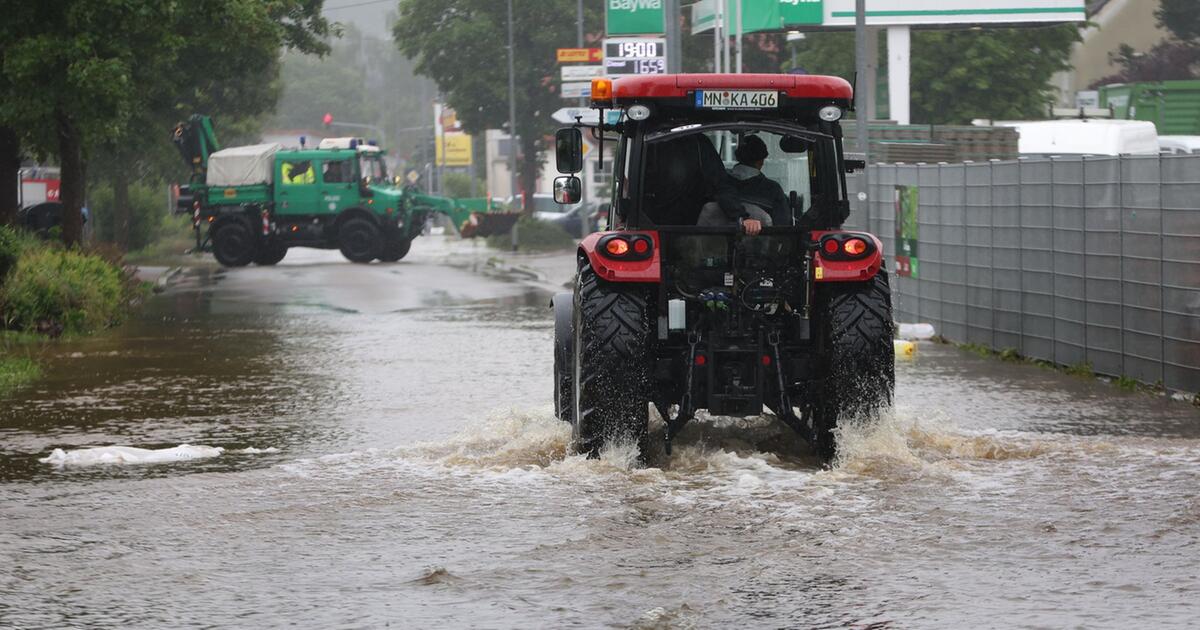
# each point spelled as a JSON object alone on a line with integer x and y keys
{"x": 809, "y": 15}
{"x": 898, "y": 17}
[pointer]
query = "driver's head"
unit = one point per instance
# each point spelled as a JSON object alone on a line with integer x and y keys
{"x": 751, "y": 151}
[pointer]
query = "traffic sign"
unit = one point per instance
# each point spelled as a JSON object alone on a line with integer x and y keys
{"x": 580, "y": 55}
{"x": 587, "y": 116}
{"x": 580, "y": 89}
{"x": 581, "y": 73}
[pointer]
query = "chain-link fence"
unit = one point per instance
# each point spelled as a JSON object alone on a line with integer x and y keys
{"x": 1072, "y": 260}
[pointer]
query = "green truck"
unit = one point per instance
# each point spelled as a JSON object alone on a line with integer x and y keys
{"x": 1173, "y": 106}
{"x": 251, "y": 204}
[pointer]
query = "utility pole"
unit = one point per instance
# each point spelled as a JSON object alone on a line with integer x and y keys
{"x": 512, "y": 121}
{"x": 725, "y": 64}
{"x": 739, "y": 36}
{"x": 718, "y": 21}
{"x": 674, "y": 41}
{"x": 862, "y": 97}
{"x": 579, "y": 37}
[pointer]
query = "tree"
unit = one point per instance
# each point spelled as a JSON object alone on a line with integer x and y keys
{"x": 1175, "y": 59}
{"x": 336, "y": 83}
{"x": 1181, "y": 17}
{"x": 78, "y": 72}
{"x": 462, "y": 46}
{"x": 1001, "y": 74}
{"x": 961, "y": 75}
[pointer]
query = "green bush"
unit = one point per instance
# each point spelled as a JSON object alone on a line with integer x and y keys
{"x": 147, "y": 213}
{"x": 60, "y": 291}
{"x": 534, "y": 235}
{"x": 13, "y": 243}
{"x": 458, "y": 186}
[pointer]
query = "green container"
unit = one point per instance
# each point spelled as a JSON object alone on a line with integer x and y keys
{"x": 1173, "y": 106}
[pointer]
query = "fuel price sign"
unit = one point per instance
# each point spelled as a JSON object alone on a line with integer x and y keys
{"x": 635, "y": 55}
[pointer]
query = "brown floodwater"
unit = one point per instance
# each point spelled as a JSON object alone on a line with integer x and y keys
{"x": 391, "y": 459}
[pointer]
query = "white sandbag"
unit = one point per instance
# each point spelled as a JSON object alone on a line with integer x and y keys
{"x": 124, "y": 455}
{"x": 916, "y": 331}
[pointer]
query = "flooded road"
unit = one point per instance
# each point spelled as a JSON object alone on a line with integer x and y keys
{"x": 391, "y": 459}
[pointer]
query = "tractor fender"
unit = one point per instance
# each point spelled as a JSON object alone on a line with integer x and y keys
{"x": 640, "y": 269}
{"x": 829, "y": 268}
{"x": 563, "y": 305}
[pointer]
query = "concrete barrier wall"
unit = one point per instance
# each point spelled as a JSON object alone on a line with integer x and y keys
{"x": 1071, "y": 260}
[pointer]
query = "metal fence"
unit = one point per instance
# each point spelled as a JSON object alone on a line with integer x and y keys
{"x": 1071, "y": 260}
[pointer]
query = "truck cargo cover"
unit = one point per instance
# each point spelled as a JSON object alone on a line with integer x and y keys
{"x": 242, "y": 166}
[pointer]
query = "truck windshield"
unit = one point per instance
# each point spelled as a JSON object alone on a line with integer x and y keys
{"x": 373, "y": 167}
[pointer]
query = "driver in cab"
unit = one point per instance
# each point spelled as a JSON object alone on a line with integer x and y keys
{"x": 763, "y": 202}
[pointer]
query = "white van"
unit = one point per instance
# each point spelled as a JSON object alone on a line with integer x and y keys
{"x": 1086, "y": 137}
{"x": 1179, "y": 145}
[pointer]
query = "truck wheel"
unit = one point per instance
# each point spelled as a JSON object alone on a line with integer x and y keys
{"x": 858, "y": 360}
{"x": 395, "y": 248}
{"x": 612, "y": 332}
{"x": 564, "y": 356}
{"x": 270, "y": 254}
{"x": 360, "y": 240}
{"x": 234, "y": 245}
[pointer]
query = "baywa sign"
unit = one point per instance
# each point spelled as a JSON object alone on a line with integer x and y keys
{"x": 634, "y": 17}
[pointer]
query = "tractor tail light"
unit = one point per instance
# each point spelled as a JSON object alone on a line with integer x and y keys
{"x": 626, "y": 246}
{"x": 845, "y": 247}
{"x": 617, "y": 247}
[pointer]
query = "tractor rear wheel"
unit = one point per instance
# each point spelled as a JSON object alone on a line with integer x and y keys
{"x": 270, "y": 254}
{"x": 395, "y": 248}
{"x": 858, "y": 360}
{"x": 233, "y": 243}
{"x": 612, "y": 335}
{"x": 360, "y": 240}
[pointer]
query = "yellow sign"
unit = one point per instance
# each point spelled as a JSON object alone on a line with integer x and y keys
{"x": 579, "y": 55}
{"x": 819, "y": 272}
{"x": 230, "y": 192}
{"x": 453, "y": 149}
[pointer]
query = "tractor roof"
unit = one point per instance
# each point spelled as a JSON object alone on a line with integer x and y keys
{"x": 799, "y": 86}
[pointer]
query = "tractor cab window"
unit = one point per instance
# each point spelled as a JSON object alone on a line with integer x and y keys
{"x": 620, "y": 190}
{"x": 297, "y": 172}
{"x": 687, "y": 167}
{"x": 373, "y": 167}
{"x": 337, "y": 172}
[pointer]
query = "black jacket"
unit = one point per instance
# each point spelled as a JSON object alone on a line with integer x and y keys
{"x": 684, "y": 174}
{"x": 754, "y": 187}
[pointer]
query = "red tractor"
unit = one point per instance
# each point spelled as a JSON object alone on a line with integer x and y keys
{"x": 713, "y": 288}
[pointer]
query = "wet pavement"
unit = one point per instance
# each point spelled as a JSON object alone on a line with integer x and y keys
{"x": 390, "y": 459}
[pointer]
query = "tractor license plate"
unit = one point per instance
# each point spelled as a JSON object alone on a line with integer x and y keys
{"x": 737, "y": 99}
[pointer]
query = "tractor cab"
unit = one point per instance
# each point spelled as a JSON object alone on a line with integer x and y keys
{"x": 725, "y": 259}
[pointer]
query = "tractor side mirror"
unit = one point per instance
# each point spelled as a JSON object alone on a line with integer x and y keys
{"x": 568, "y": 190}
{"x": 793, "y": 144}
{"x": 568, "y": 148}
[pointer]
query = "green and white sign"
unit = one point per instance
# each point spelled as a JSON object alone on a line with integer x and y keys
{"x": 777, "y": 15}
{"x": 634, "y": 17}
{"x": 800, "y": 12}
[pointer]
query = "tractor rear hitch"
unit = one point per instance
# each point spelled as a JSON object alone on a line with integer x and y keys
{"x": 687, "y": 408}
